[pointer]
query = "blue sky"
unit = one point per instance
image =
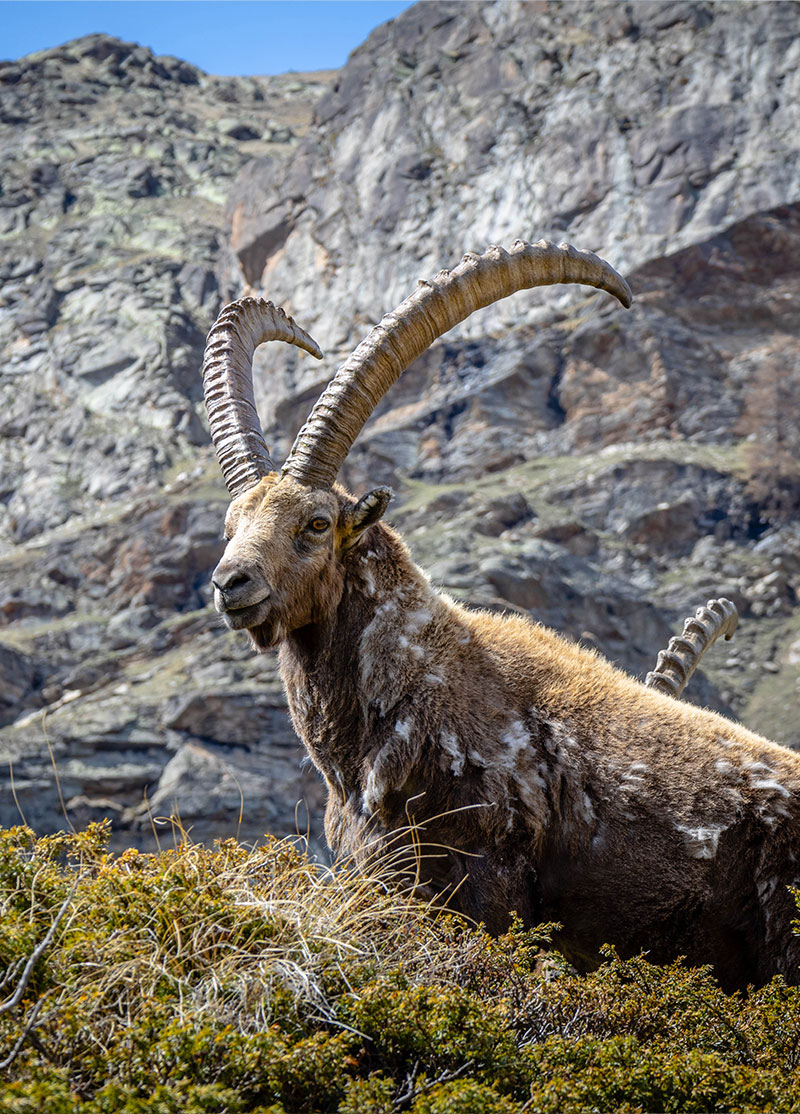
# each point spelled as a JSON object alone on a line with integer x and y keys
{"x": 220, "y": 36}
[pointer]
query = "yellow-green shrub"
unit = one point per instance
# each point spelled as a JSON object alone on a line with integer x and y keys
{"x": 227, "y": 979}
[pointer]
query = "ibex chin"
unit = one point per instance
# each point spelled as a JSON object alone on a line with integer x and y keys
{"x": 543, "y": 779}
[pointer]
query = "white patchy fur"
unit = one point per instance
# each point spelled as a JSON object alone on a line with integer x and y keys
{"x": 587, "y": 813}
{"x": 703, "y": 842}
{"x": 403, "y": 728}
{"x": 774, "y": 786}
{"x": 449, "y": 744}
{"x": 516, "y": 739}
{"x": 369, "y": 579}
{"x": 378, "y": 782}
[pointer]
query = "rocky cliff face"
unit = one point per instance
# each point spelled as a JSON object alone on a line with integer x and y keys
{"x": 606, "y": 471}
{"x": 115, "y": 167}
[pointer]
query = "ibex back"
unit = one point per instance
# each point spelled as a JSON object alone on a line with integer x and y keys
{"x": 543, "y": 780}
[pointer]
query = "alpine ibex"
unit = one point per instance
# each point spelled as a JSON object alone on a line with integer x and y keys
{"x": 550, "y": 782}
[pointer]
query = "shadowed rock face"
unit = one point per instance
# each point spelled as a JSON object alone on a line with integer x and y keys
{"x": 606, "y": 471}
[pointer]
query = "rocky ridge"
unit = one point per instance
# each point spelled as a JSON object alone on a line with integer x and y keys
{"x": 605, "y": 471}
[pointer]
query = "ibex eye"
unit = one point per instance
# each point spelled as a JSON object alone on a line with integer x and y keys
{"x": 319, "y": 525}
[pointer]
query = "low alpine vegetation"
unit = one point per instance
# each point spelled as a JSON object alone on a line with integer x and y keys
{"x": 231, "y": 979}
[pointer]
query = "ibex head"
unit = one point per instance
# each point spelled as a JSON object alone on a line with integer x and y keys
{"x": 282, "y": 567}
{"x": 289, "y": 530}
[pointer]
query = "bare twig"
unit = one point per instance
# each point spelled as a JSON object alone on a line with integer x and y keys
{"x": 413, "y": 1090}
{"x": 26, "y": 1032}
{"x": 21, "y": 987}
{"x": 42, "y": 946}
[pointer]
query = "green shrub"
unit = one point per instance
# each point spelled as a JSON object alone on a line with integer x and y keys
{"x": 467, "y": 1097}
{"x": 373, "y": 1095}
{"x": 226, "y": 979}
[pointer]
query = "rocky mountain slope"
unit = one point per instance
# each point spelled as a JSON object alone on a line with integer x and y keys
{"x": 606, "y": 471}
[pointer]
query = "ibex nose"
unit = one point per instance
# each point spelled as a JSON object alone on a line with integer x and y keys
{"x": 237, "y": 585}
{"x": 227, "y": 581}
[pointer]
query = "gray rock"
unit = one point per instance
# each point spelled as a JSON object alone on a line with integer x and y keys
{"x": 235, "y": 717}
{"x": 218, "y": 792}
{"x": 502, "y": 514}
{"x": 16, "y": 682}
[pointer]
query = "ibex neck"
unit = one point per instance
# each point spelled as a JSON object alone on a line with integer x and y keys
{"x": 337, "y": 672}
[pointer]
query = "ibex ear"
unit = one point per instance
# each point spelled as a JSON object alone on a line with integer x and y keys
{"x": 369, "y": 509}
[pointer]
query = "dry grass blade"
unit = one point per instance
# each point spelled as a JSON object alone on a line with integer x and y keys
{"x": 14, "y": 793}
{"x": 55, "y": 771}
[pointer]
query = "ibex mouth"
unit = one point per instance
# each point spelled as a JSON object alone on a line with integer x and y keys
{"x": 265, "y": 629}
{"x": 242, "y": 618}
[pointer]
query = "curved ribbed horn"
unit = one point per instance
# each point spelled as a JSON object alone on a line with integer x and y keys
{"x": 436, "y": 306}
{"x": 228, "y": 386}
{"x": 678, "y": 662}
